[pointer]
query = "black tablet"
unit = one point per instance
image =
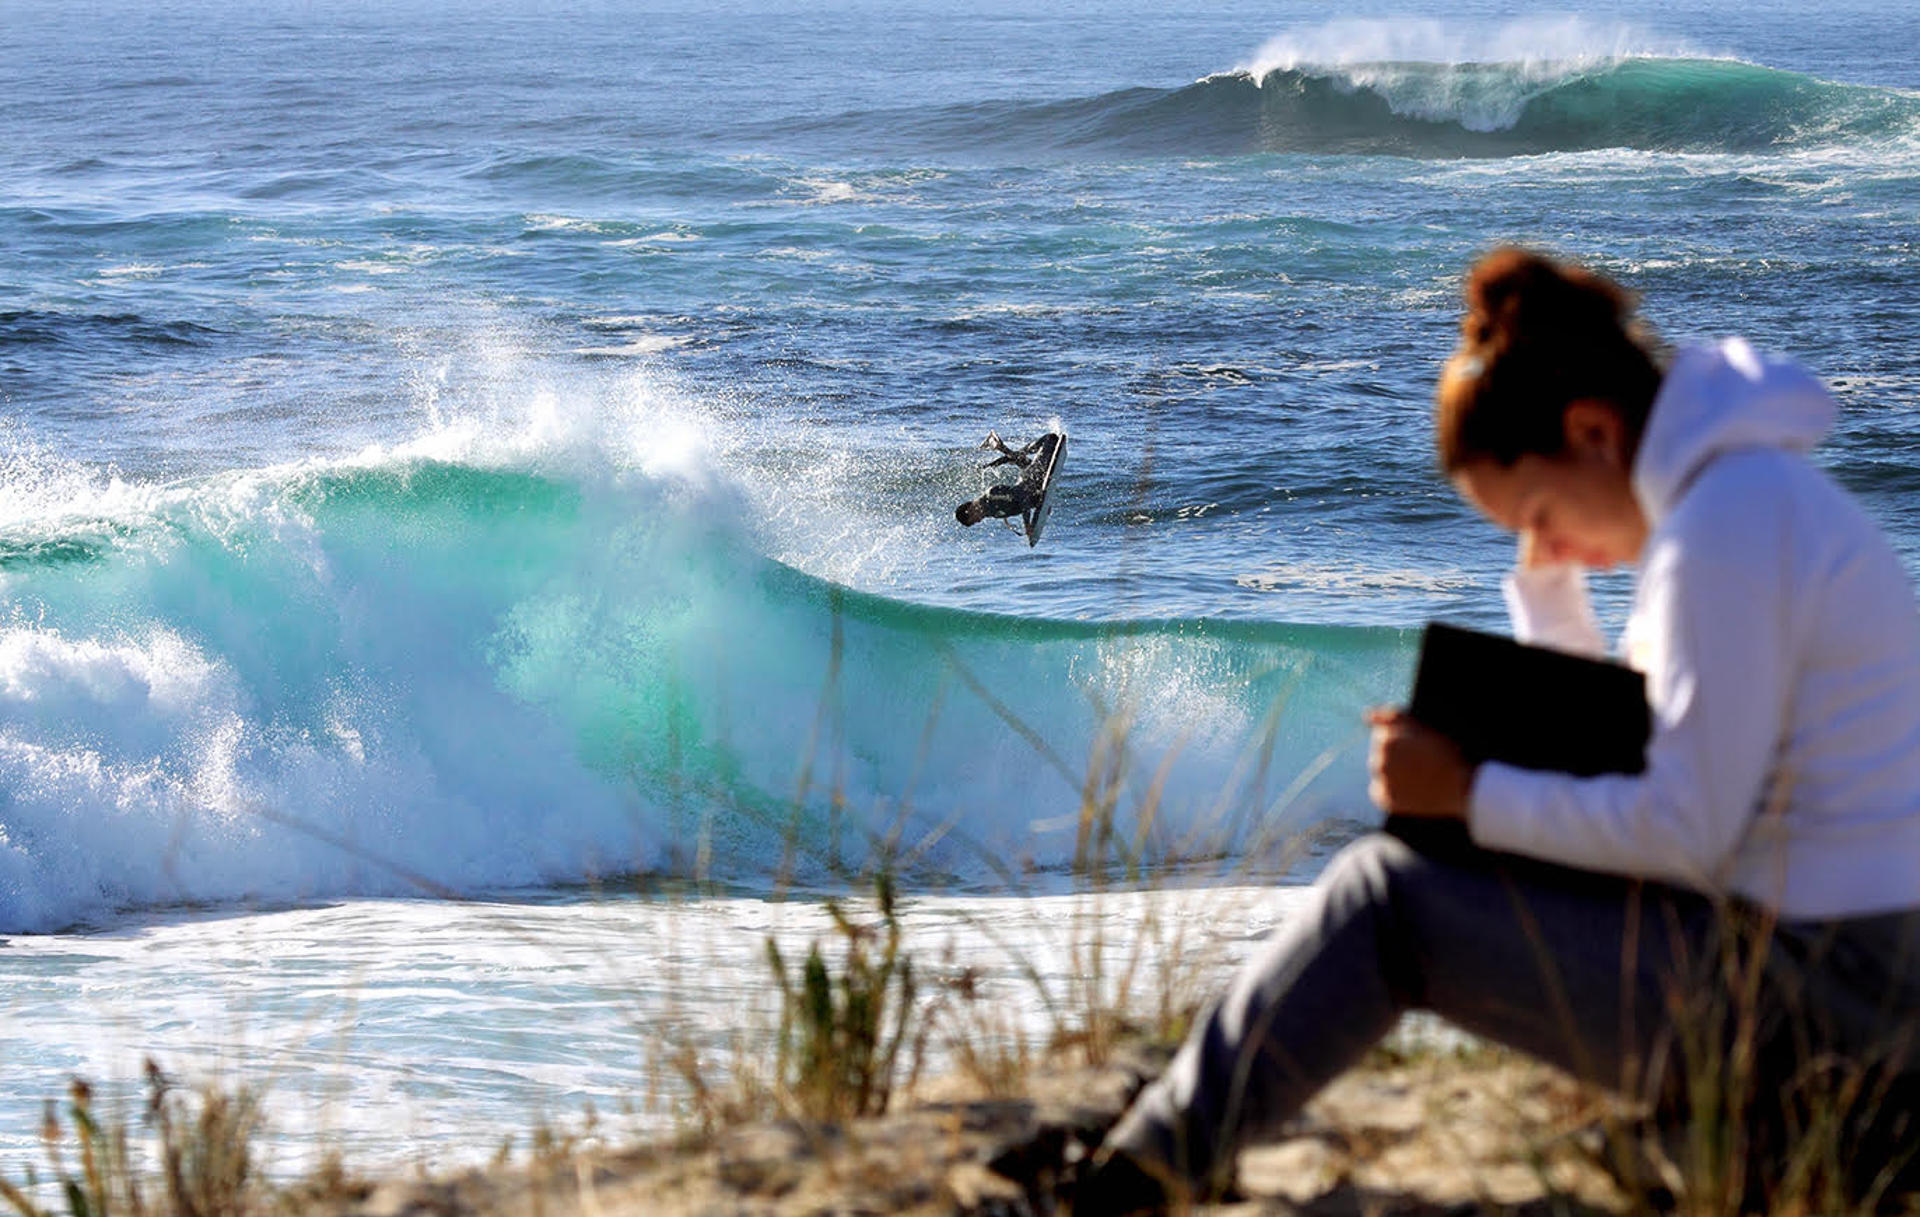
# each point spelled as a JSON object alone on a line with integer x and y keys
{"x": 1532, "y": 707}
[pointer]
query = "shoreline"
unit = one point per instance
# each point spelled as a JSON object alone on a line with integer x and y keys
{"x": 1003, "y": 1066}
{"x": 561, "y": 1008}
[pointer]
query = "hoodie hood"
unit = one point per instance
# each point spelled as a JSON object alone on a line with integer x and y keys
{"x": 1718, "y": 398}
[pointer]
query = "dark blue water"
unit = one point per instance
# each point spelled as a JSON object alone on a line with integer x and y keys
{"x": 406, "y": 414}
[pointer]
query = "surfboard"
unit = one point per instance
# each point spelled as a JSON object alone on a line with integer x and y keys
{"x": 1035, "y": 517}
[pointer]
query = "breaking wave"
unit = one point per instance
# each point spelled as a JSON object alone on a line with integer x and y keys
{"x": 405, "y": 674}
{"x": 1422, "y": 89}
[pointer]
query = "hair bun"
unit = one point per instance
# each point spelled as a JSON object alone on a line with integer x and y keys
{"x": 1538, "y": 335}
{"x": 1513, "y": 294}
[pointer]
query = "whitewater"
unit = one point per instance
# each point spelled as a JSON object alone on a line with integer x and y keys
{"x": 476, "y": 538}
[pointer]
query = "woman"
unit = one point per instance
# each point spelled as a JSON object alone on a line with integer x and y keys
{"x": 1759, "y": 882}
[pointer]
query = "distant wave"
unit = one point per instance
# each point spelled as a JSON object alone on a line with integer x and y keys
{"x": 1428, "y": 109}
{"x": 408, "y": 675}
{"x": 82, "y": 331}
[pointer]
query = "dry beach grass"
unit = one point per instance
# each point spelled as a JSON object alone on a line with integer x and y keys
{"x": 831, "y": 1114}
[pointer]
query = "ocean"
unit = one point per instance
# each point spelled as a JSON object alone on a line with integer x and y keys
{"x": 476, "y": 482}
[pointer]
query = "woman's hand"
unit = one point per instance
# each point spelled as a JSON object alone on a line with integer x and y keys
{"x": 1414, "y": 770}
{"x": 1528, "y": 554}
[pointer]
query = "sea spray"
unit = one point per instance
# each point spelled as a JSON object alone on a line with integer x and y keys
{"x": 1478, "y": 77}
{"x": 1542, "y": 49}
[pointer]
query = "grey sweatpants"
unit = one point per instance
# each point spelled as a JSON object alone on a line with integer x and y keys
{"x": 1624, "y": 983}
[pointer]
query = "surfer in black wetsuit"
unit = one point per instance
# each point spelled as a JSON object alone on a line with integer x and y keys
{"x": 1011, "y": 498}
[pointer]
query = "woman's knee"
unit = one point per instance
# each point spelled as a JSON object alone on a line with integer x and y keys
{"x": 1371, "y": 867}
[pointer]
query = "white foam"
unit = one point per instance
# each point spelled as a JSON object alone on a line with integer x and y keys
{"x": 1478, "y": 75}
{"x": 370, "y": 266}
{"x": 1550, "y": 45}
{"x": 1354, "y": 579}
{"x": 135, "y": 270}
{"x": 559, "y": 223}
{"x": 646, "y": 344}
{"x": 38, "y": 487}
{"x": 829, "y": 191}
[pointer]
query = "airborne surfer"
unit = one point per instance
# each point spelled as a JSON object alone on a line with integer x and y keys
{"x": 1036, "y": 461}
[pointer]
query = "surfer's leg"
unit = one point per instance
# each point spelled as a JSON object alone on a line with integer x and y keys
{"x": 1007, "y": 454}
{"x": 1567, "y": 966}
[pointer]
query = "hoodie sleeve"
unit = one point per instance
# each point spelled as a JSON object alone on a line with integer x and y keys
{"x": 1549, "y": 607}
{"x": 1713, "y": 608}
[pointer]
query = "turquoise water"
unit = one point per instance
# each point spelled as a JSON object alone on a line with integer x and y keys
{"x": 453, "y": 674}
{"x": 499, "y": 454}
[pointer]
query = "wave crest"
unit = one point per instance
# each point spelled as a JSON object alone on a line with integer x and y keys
{"x": 1546, "y": 46}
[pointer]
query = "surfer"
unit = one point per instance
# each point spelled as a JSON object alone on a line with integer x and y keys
{"x": 1012, "y": 498}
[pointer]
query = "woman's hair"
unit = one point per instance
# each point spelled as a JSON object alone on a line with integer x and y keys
{"x": 1538, "y": 336}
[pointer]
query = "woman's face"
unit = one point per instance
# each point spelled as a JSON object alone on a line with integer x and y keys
{"x": 1576, "y": 506}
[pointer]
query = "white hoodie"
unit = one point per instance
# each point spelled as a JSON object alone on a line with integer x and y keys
{"x": 1781, "y": 646}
